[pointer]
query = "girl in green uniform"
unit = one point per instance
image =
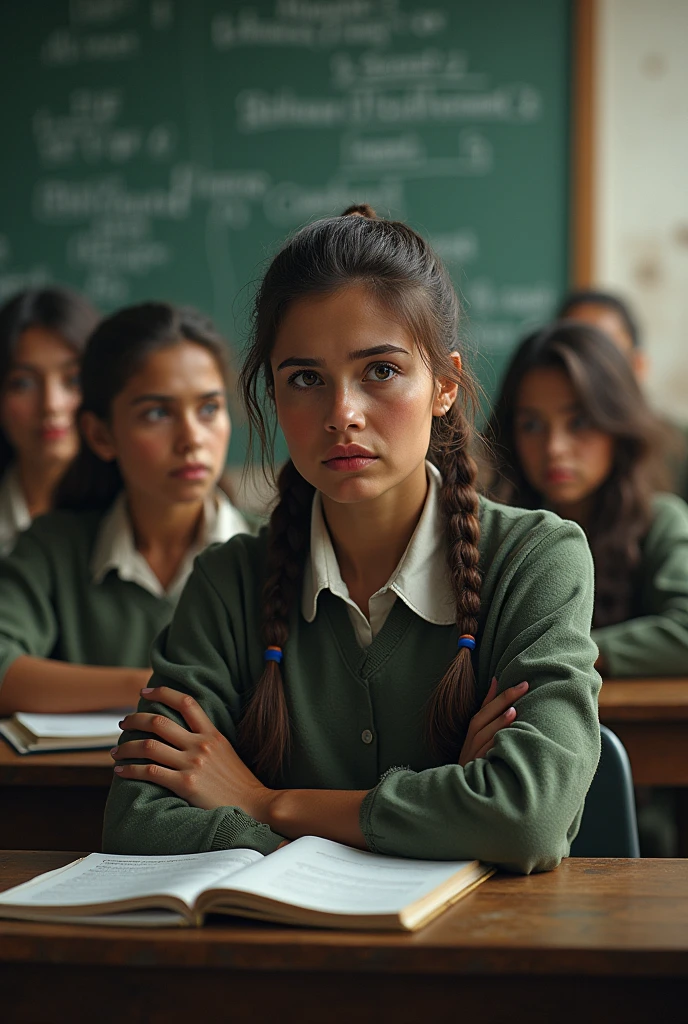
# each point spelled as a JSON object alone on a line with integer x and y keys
{"x": 395, "y": 663}
{"x": 89, "y": 586}
{"x": 574, "y": 434}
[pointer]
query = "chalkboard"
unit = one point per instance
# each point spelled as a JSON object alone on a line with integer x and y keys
{"x": 165, "y": 148}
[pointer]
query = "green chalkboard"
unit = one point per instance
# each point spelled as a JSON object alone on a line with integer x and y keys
{"x": 164, "y": 148}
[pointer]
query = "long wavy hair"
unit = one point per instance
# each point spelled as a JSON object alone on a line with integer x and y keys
{"x": 403, "y": 274}
{"x": 62, "y": 312}
{"x": 614, "y": 404}
{"x": 116, "y": 351}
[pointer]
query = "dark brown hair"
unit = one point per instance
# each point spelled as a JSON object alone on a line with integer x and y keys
{"x": 610, "y": 397}
{"x": 59, "y": 310}
{"x": 405, "y": 276}
{"x": 116, "y": 351}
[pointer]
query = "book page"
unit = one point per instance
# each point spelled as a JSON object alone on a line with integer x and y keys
{"x": 105, "y": 878}
{"x": 321, "y": 875}
{"x": 79, "y": 726}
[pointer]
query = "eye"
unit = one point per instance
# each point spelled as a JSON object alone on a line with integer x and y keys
{"x": 210, "y": 409}
{"x": 381, "y": 372}
{"x": 579, "y": 422}
{"x": 20, "y": 383}
{"x": 304, "y": 380}
{"x": 155, "y": 414}
{"x": 528, "y": 425}
{"x": 73, "y": 382}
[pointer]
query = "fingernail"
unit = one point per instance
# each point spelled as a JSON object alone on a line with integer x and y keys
{"x": 522, "y": 686}
{"x": 119, "y": 769}
{"x": 511, "y": 711}
{"x": 147, "y": 689}
{"x": 113, "y": 751}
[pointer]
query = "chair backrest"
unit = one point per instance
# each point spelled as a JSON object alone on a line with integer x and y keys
{"x": 609, "y": 827}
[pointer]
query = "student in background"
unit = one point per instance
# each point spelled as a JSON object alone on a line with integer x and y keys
{"x": 88, "y": 586}
{"x": 612, "y": 316}
{"x": 43, "y": 332}
{"x": 352, "y": 672}
{"x": 572, "y": 433}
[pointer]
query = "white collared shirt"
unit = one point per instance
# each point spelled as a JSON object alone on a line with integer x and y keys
{"x": 421, "y": 579}
{"x": 14, "y": 512}
{"x": 115, "y": 547}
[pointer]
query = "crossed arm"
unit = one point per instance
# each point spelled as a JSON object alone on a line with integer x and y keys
{"x": 199, "y": 765}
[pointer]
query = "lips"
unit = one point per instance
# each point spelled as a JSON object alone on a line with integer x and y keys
{"x": 559, "y": 475}
{"x": 348, "y": 458}
{"x": 191, "y": 471}
{"x": 54, "y": 433}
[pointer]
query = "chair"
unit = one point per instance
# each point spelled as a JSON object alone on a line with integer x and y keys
{"x": 609, "y": 827}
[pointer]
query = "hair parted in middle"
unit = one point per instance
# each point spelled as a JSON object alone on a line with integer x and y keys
{"x": 610, "y": 395}
{"x": 407, "y": 278}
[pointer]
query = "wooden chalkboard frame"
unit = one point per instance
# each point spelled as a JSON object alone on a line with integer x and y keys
{"x": 582, "y": 227}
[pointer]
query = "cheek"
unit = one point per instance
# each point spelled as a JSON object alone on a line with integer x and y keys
{"x": 20, "y": 410}
{"x": 143, "y": 452}
{"x": 598, "y": 455}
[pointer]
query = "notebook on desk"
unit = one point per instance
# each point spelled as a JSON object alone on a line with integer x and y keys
{"x": 31, "y": 733}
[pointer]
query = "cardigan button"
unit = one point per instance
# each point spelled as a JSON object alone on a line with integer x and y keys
{"x": 367, "y": 736}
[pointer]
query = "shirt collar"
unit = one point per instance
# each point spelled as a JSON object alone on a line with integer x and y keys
{"x": 421, "y": 579}
{"x": 14, "y": 512}
{"x": 115, "y": 548}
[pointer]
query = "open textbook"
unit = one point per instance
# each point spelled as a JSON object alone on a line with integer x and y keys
{"x": 309, "y": 882}
{"x": 34, "y": 734}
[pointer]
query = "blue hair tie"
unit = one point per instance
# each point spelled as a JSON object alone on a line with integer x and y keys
{"x": 273, "y": 654}
{"x": 467, "y": 641}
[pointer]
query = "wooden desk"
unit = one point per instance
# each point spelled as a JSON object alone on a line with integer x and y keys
{"x": 650, "y": 717}
{"x": 595, "y": 941}
{"x": 53, "y": 801}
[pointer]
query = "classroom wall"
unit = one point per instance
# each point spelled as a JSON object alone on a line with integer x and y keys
{"x": 642, "y": 179}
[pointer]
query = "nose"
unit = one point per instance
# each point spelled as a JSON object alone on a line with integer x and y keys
{"x": 188, "y": 437}
{"x": 56, "y": 398}
{"x": 345, "y": 412}
{"x": 557, "y": 442}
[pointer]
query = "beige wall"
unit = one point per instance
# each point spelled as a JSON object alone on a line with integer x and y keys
{"x": 641, "y": 177}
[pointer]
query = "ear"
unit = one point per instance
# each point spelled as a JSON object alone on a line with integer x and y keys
{"x": 98, "y": 436}
{"x": 446, "y": 389}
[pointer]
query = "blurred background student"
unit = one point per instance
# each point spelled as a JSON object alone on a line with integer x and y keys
{"x": 43, "y": 332}
{"x": 89, "y": 585}
{"x": 573, "y": 434}
{"x": 614, "y": 317}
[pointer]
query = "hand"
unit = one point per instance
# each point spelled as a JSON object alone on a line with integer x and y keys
{"x": 496, "y": 712}
{"x": 200, "y": 765}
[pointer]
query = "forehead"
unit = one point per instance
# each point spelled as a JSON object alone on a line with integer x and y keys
{"x": 546, "y": 389}
{"x": 606, "y": 319}
{"x": 330, "y": 326}
{"x": 43, "y": 348}
{"x": 176, "y": 369}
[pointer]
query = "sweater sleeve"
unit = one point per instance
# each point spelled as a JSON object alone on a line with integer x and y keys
{"x": 195, "y": 654}
{"x": 520, "y": 806}
{"x": 655, "y": 643}
{"x": 28, "y": 623}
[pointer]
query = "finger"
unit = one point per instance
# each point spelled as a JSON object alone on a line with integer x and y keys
{"x": 150, "y": 750}
{"x": 491, "y": 693}
{"x": 160, "y": 725}
{"x": 166, "y": 777}
{"x": 487, "y": 734}
{"x": 497, "y": 706}
{"x": 190, "y": 710}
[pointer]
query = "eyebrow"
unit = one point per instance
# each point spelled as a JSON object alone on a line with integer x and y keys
{"x": 34, "y": 368}
{"x": 359, "y": 353}
{"x": 174, "y": 398}
{"x": 576, "y": 407}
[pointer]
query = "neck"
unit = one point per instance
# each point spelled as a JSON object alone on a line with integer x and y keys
{"x": 580, "y": 512}
{"x": 164, "y": 533}
{"x": 38, "y": 481}
{"x": 369, "y": 538}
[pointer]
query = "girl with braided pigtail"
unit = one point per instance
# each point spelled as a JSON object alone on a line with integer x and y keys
{"x": 395, "y": 663}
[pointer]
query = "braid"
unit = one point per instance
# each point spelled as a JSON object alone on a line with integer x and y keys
{"x": 263, "y": 735}
{"x": 453, "y": 702}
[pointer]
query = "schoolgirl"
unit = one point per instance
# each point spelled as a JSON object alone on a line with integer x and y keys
{"x": 43, "y": 332}
{"x": 574, "y": 434}
{"x": 395, "y": 663}
{"x": 89, "y": 585}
